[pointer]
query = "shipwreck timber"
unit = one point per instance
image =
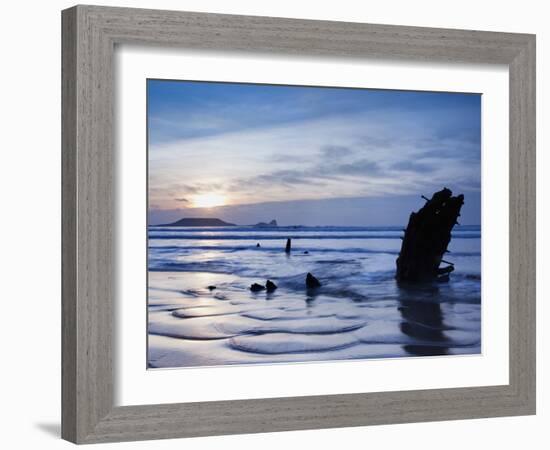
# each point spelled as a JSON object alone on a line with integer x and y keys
{"x": 427, "y": 237}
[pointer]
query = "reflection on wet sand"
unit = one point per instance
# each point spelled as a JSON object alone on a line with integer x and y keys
{"x": 422, "y": 320}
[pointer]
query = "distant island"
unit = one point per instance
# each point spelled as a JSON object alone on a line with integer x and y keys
{"x": 199, "y": 222}
{"x": 273, "y": 223}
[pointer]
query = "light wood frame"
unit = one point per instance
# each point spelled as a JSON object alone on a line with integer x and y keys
{"x": 90, "y": 34}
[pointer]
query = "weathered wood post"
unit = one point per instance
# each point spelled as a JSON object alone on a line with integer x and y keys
{"x": 426, "y": 239}
{"x": 288, "y": 245}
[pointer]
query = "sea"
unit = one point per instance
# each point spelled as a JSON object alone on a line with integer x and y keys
{"x": 201, "y": 311}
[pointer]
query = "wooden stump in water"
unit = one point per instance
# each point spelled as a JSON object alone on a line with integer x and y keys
{"x": 270, "y": 286}
{"x": 312, "y": 282}
{"x": 426, "y": 239}
{"x": 288, "y": 246}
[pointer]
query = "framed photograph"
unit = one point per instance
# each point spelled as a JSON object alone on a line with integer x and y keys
{"x": 283, "y": 248}
{"x": 278, "y": 224}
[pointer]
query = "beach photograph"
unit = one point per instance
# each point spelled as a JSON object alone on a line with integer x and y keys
{"x": 294, "y": 224}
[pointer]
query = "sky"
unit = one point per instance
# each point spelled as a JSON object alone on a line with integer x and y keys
{"x": 247, "y": 153}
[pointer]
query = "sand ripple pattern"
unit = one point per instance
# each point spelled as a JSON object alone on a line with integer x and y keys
{"x": 193, "y": 326}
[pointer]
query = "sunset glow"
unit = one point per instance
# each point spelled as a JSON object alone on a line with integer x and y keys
{"x": 250, "y": 153}
{"x": 209, "y": 200}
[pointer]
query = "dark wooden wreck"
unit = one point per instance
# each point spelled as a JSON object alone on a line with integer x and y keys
{"x": 426, "y": 239}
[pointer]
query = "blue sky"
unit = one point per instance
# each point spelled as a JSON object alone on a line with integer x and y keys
{"x": 247, "y": 153}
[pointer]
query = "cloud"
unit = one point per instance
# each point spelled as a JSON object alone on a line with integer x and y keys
{"x": 412, "y": 166}
{"x": 335, "y": 151}
{"x": 318, "y": 175}
{"x": 364, "y": 153}
{"x": 361, "y": 167}
{"x": 377, "y": 142}
{"x": 289, "y": 158}
{"x": 277, "y": 178}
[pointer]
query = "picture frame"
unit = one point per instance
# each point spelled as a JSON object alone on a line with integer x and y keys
{"x": 90, "y": 34}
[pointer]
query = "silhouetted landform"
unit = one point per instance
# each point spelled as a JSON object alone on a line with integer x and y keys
{"x": 257, "y": 287}
{"x": 311, "y": 281}
{"x": 199, "y": 222}
{"x": 270, "y": 286}
{"x": 426, "y": 239}
{"x": 288, "y": 245}
{"x": 273, "y": 223}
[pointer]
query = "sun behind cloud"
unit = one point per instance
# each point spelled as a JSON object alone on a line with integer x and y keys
{"x": 208, "y": 200}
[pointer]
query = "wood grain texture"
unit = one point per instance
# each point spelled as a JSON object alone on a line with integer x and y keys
{"x": 89, "y": 36}
{"x": 68, "y": 225}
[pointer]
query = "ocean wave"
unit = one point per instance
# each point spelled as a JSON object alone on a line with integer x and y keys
{"x": 161, "y": 250}
{"x": 268, "y": 237}
{"x": 373, "y": 229}
{"x": 349, "y": 282}
{"x": 252, "y": 247}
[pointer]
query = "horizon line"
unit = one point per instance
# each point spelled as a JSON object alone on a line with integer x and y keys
{"x": 279, "y": 225}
